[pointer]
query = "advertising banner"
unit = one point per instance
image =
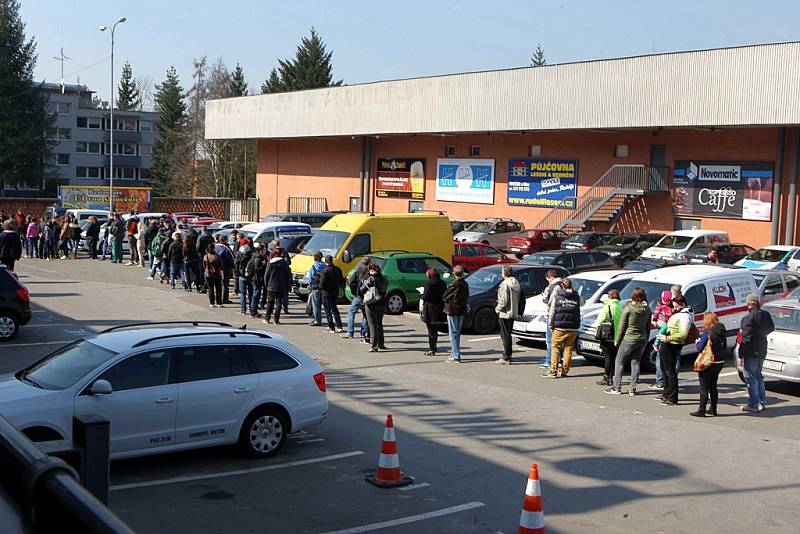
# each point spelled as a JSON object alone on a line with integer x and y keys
{"x": 400, "y": 178}
{"x": 730, "y": 190}
{"x": 544, "y": 183}
{"x": 96, "y": 198}
{"x": 465, "y": 180}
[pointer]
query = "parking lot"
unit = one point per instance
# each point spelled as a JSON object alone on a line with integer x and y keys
{"x": 467, "y": 433}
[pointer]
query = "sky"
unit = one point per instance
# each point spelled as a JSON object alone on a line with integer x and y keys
{"x": 380, "y": 39}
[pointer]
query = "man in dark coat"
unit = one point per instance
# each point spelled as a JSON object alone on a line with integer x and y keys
{"x": 278, "y": 280}
{"x": 565, "y": 320}
{"x": 10, "y": 245}
{"x": 433, "y": 308}
{"x": 456, "y": 299}
{"x": 756, "y": 325}
{"x": 331, "y": 282}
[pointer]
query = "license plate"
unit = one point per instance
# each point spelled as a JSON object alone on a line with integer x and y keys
{"x": 589, "y": 346}
{"x": 515, "y": 249}
{"x": 773, "y": 365}
{"x": 696, "y": 260}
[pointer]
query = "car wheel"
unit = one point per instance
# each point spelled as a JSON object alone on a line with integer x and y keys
{"x": 395, "y": 303}
{"x": 8, "y": 326}
{"x": 485, "y": 321}
{"x": 263, "y": 433}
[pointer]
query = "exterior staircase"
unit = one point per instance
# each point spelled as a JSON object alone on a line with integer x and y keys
{"x": 610, "y": 194}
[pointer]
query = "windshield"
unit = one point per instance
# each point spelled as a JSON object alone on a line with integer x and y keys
{"x": 541, "y": 258}
{"x": 767, "y": 254}
{"x": 328, "y": 242}
{"x": 674, "y": 241}
{"x": 652, "y": 290}
{"x": 784, "y": 317}
{"x": 481, "y": 227}
{"x": 249, "y": 234}
{"x": 67, "y": 365}
{"x": 585, "y": 288}
{"x": 577, "y": 238}
{"x": 483, "y": 280}
{"x": 623, "y": 241}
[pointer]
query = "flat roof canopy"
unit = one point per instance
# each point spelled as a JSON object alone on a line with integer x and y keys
{"x": 744, "y": 86}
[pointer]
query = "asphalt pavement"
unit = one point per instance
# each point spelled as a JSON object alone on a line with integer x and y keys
{"x": 467, "y": 434}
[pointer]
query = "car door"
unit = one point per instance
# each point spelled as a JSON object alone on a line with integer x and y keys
{"x": 565, "y": 261}
{"x": 142, "y": 406}
{"x": 215, "y": 385}
{"x": 491, "y": 256}
{"x": 497, "y": 235}
{"x": 412, "y": 276}
{"x": 470, "y": 257}
{"x": 583, "y": 262}
{"x": 791, "y": 282}
{"x": 772, "y": 287}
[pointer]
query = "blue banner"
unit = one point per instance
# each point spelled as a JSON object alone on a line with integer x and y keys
{"x": 465, "y": 180}
{"x": 543, "y": 183}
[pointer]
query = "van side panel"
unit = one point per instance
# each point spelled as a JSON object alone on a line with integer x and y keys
{"x": 412, "y": 234}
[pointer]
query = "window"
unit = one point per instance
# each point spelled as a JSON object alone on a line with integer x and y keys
{"x": 582, "y": 260}
{"x": 791, "y": 282}
{"x": 270, "y": 359}
{"x": 621, "y": 151}
{"x": 469, "y": 251}
{"x": 600, "y": 257}
{"x": 491, "y": 252}
{"x": 93, "y": 123}
{"x": 67, "y": 365}
{"x": 565, "y": 260}
{"x": 206, "y": 363}
{"x": 84, "y": 147}
{"x": 124, "y": 149}
{"x": 438, "y": 265}
{"x": 526, "y": 280}
{"x": 60, "y": 108}
{"x": 145, "y": 174}
{"x": 59, "y": 134}
{"x": 535, "y": 151}
{"x": 411, "y": 265}
{"x": 359, "y": 246}
{"x": 127, "y": 173}
{"x": 616, "y": 284}
{"x": 415, "y": 206}
{"x": 145, "y": 150}
{"x": 774, "y": 285}
{"x": 81, "y": 172}
{"x": 696, "y": 298}
{"x": 62, "y": 159}
{"x": 145, "y": 126}
{"x": 475, "y": 150}
{"x": 81, "y": 122}
{"x": 145, "y": 370}
{"x": 449, "y": 151}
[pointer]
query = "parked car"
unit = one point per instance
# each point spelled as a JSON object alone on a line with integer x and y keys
{"x": 675, "y": 245}
{"x": 793, "y": 263}
{"x": 728, "y": 254}
{"x": 535, "y": 240}
{"x": 473, "y": 256}
{"x": 627, "y": 247}
{"x": 315, "y": 220}
{"x": 483, "y": 283}
{"x": 586, "y": 240}
{"x": 265, "y": 232}
{"x": 460, "y": 226}
{"x": 774, "y": 284}
{"x": 574, "y": 261}
{"x": 15, "y": 304}
{"x": 490, "y": 231}
{"x": 184, "y": 217}
{"x": 771, "y": 257}
{"x": 647, "y": 264}
{"x": 405, "y": 272}
{"x": 592, "y": 288}
{"x": 228, "y": 225}
{"x": 783, "y": 344}
{"x": 154, "y": 383}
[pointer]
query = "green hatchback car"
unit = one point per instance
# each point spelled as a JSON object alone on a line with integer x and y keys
{"x": 405, "y": 272}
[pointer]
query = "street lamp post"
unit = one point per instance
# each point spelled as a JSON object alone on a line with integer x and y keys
{"x": 111, "y": 121}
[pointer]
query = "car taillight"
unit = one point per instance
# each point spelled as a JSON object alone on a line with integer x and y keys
{"x": 739, "y": 338}
{"x": 585, "y": 247}
{"x": 22, "y": 293}
{"x": 319, "y": 378}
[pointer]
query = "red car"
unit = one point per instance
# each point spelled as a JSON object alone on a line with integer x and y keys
{"x": 535, "y": 240}
{"x": 473, "y": 256}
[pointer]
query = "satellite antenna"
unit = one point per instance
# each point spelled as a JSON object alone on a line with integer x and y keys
{"x": 62, "y": 58}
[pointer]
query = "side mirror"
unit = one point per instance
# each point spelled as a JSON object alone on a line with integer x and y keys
{"x": 101, "y": 387}
{"x": 346, "y": 257}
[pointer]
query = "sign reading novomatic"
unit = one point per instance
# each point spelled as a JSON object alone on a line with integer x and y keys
{"x": 96, "y": 198}
{"x": 400, "y": 178}
{"x": 544, "y": 183}
{"x": 465, "y": 180}
{"x": 731, "y": 190}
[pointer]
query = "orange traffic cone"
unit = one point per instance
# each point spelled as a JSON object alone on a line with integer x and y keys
{"x": 388, "y": 474}
{"x": 531, "y": 521}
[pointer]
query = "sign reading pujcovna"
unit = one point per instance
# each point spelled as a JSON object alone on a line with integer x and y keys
{"x": 543, "y": 183}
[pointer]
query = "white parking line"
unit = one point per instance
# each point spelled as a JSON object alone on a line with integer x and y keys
{"x": 409, "y": 519}
{"x": 683, "y": 381}
{"x": 206, "y": 476}
{"x": 483, "y": 338}
{"x": 414, "y": 486}
{"x": 62, "y": 342}
{"x": 310, "y": 440}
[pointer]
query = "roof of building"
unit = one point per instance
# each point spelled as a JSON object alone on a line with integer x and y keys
{"x": 748, "y": 85}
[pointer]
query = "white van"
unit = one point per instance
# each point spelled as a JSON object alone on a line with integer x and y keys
{"x": 83, "y": 215}
{"x": 265, "y": 232}
{"x": 707, "y": 288}
{"x": 675, "y": 245}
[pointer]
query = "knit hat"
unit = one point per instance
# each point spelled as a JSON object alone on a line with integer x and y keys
{"x": 666, "y": 296}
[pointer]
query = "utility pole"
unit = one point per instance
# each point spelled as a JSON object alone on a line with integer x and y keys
{"x": 62, "y": 58}
{"x": 197, "y": 95}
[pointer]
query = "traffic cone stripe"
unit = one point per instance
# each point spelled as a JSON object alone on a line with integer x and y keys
{"x": 388, "y": 434}
{"x": 389, "y": 447}
{"x": 389, "y": 461}
{"x": 532, "y": 503}
{"x": 531, "y": 522}
{"x": 388, "y": 474}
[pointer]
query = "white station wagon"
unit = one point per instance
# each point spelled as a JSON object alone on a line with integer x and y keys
{"x": 171, "y": 386}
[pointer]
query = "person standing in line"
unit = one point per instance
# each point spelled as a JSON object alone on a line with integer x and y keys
{"x": 714, "y": 334}
{"x": 456, "y": 299}
{"x": 150, "y": 234}
{"x": 105, "y": 236}
{"x": 117, "y": 232}
{"x": 64, "y": 236}
{"x": 276, "y": 245}
{"x": 190, "y": 263}
{"x": 212, "y": 267}
{"x": 46, "y": 241}
{"x": 203, "y": 241}
{"x": 32, "y": 235}
{"x": 433, "y": 308}
{"x": 141, "y": 242}
{"x": 661, "y": 316}
{"x": 509, "y": 295}
{"x": 756, "y": 326}
{"x": 553, "y": 283}
{"x": 314, "y": 295}
{"x": 175, "y": 258}
{"x": 74, "y": 238}
{"x": 92, "y": 236}
{"x": 565, "y": 320}
{"x": 130, "y": 231}
{"x": 254, "y": 272}
{"x": 630, "y": 339}
{"x": 375, "y": 302}
{"x": 357, "y": 303}
{"x": 278, "y": 280}
{"x": 10, "y": 245}
{"x": 155, "y": 252}
{"x": 611, "y": 311}
{"x": 224, "y": 252}
{"x": 166, "y": 267}
{"x": 331, "y": 282}
{"x": 243, "y": 257}
{"x": 670, "y": 345}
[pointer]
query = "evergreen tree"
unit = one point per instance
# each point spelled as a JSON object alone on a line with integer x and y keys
{"x": 128, "y": 97}
{"x": 24, "y": 117}
{"x": 310, "y": 68}
{"x": 272, "y": 84}
{"x": 537, "y": 59}
{"x": 238, "y": 83}
{"x": 169, "y": 148}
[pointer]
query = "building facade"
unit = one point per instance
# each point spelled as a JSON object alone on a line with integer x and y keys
{"x": 703, "y": 139}
{"x": 81, "y": 140}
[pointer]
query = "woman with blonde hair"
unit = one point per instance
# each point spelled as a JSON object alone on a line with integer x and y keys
{"x": 713, "y": 334}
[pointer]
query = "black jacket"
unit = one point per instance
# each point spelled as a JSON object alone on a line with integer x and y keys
{"x": 456, "y": 298}
{"x": 278, "y": 276}
{"x": 10, "y": 245}
{"x": 243, "y": 256}
{"x": 189, "y": 250}
{"x": 331, "y": 280}
{"x": 175, "y": 253}
{"x": 755, "y": 327}
{"x": 565, "y": 311}
{"x": 93, "y": 230}
{"x": 254, "y": 270}
{"x": 380, "y": 283}
{"x": 356, "y": 278}
{"x": 164, "y": 252}
{"x": 202, "y": 244}
{"x": 150, "y": 234}
{"x": 432, "y": 303}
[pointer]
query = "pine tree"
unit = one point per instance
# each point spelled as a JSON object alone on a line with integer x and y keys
{"x": 310, "y": 68}
{"x": 169, "y": 147}
{"x": 537, "y": 59}
{"x": 272, "y": 84}
{"x": 24, "y": 117}
{"x": 128, "y": 97}
{"x": 238, "y": 83}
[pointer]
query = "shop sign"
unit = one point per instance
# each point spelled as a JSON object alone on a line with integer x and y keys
{"x": 400, "y": 178}
{"x": 543, "y": 183}
{"x": 465, "y": 180}
{"x": 731, "y": 190}
{"x": 96, "y": 197}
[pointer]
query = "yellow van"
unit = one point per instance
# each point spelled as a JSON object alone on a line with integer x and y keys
{"x": 349, "y": 236}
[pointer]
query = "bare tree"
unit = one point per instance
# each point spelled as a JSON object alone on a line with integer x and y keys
{"x": 145, "y": 85}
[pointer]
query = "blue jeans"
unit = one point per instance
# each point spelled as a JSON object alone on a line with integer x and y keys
{"x": 256, "y": 296}
{"x": 548, "y": 339}
{"x": 454, "y": 323}
{"x": 316, "y": 305}
{"x": 154, "y": 268}
{"x": 175, "y": 273}
{"x": 660, "y": 373}
{"x": 245, "y": 293}
{"x": 355, "y": 307}
{"x": 752, "y": 371}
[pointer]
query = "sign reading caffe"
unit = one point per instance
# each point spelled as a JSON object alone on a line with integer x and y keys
{"x": 731, "y": 190}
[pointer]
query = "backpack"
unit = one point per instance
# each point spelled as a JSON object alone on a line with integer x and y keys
{"x": 693, "y": 335}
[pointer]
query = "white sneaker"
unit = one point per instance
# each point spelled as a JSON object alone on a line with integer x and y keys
{"x": 211, "y": 306}
{"x": 149, "y": 278}
{"x": 340, "y": 330}
{"x": 63, "y": 257}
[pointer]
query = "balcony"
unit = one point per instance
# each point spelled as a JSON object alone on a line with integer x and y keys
{"x": 124, "y": 136}
{"x": 123, "y": 161}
